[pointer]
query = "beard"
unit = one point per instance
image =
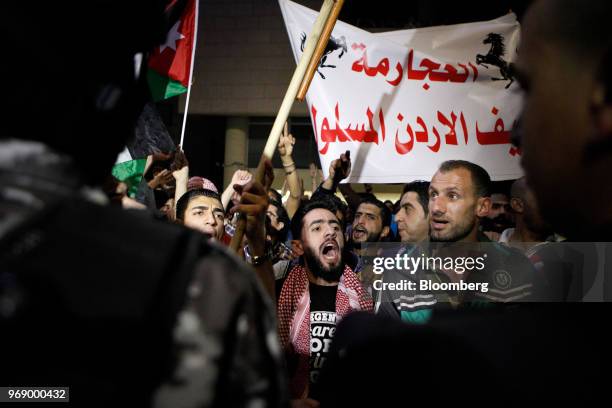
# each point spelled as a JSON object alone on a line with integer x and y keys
{"x": 371, "y": 237}
{"x": 327, "y": 273}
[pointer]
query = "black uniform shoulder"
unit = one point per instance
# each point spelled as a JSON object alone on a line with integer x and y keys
{"x": 105, "y": 261}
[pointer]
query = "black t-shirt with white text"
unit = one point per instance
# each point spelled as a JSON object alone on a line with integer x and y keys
{"x": 322, "y": 329}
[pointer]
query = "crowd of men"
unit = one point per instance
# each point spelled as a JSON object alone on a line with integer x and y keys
{"x": 139, "y": 300}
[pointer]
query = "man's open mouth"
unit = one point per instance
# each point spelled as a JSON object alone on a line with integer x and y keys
{"x": 330, "y": 251}
{"x": 438, "y": 224}
{"x": 359, "y": 232}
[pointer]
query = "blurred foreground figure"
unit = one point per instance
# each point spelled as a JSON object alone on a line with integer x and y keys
{"x": 565, "y": 69}
{"x": 537, "y": 353}
{"x": 124, "y": 310}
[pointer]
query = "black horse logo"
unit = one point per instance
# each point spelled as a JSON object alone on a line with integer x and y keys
{"x": 332, "y": 45}
{"x": 495, "y": 56}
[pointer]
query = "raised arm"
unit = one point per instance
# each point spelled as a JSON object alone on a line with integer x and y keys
{"x": 351, "y": 197}
{"x": 339, "y": 169}
{"x": 254, "y": 204}
{"x": 285, "y": 149}
{"x": 240, "y": 177}
{"x": 180, "y": 172}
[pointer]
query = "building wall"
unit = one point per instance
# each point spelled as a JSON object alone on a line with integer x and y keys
{"x": 243, "y": 67}
{"x": 243, "y": 60}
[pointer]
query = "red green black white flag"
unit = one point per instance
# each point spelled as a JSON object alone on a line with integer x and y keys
{"x": 171, "y": 64}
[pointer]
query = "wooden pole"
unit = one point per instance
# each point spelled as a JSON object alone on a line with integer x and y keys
{"x": 298, "y": 77}
{"x": 321, "y": 44}
{"x": 285, "y": 108}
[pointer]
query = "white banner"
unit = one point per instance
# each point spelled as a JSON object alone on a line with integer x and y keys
{"x": 404, "y": 101}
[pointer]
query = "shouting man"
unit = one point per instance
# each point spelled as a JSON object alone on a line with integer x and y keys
{"x": 316, "y": 294}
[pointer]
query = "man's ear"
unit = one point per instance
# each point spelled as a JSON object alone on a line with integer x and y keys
{"x": 281, "y": 226}
{"x": 483, "y": 206}
{"x": 517, "y": 205}
{"x": 297, "y": 247}
{"x": 385, "y": 231}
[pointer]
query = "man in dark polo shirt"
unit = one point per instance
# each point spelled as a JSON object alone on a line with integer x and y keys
{"x": 460, "y": 266}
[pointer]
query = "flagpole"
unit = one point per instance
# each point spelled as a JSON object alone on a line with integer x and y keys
{"x": 320, "y": 48}
{"x": 195, "y": 40}
{"x": 298, "y": 75}
{"x": 320, "y": 25}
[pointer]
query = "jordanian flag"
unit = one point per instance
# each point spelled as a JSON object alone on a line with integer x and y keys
{"x": 171, "y": 63}
{"x": 150, "y": 136}
{"x": 130, "y": 172}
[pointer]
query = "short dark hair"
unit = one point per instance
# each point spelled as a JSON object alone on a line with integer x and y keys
{"x": 340, "y": 207}
{"x": 324, "y": 202}
{"x": 421, "y": 188}
{"x": 161, "y": 196}
{"x": 183, "y": 202}
{"x": 480, "y": 177}
{"x": 385, "y": 214}
{"x": 282, "y": 217}
{"x": 277, "y": 196}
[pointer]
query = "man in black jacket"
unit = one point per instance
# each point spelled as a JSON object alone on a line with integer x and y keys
{"x": 123, "y": 309}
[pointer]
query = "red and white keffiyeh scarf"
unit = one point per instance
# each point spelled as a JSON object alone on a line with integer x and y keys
{"x": 294, "y": 316}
